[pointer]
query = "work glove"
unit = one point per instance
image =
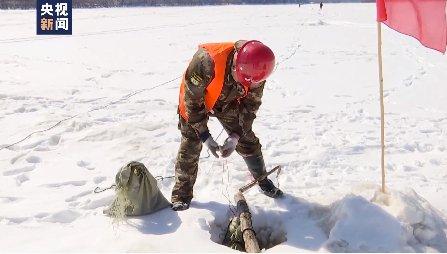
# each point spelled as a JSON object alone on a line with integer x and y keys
{"x": 229, "y": 145}
{"x": 212, "y": 146}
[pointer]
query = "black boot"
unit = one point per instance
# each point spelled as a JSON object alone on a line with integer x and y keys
{"x": 179, "y": 206}
{"x": 269, "y": 189}
{"x": 256, "y": 166}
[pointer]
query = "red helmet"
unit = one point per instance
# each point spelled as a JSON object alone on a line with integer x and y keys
{"x": 253, "y": 62}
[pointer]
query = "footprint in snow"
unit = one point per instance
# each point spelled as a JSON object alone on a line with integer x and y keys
{"x": 14, "y": 220}
{"x": 41, "y": 215}
{"x": 102, "y": 202}
{"x": 69, "y": 183}
{"x": 107, "y": 75}
{"x": 20, "y": 110}
{"x": 301, "y": 111}
{"x": 74, "y": 91}
{"x": 143, "y": 101}
{"x": 9, "y": 199}
{"x": 160, "y": 134}
{"x": 105, "y": 119}
{"x": 45, "y": 144}
{"x": 74, "y": 204}
{"x": 99, "y": 179}
{"x": 110, "y": 73}
{"x": 54, "y": 140}
{"x": 19, "y": 170}
{"x": 435, "y": 162}
{"x": 16, "y": 158}
{"x": 93, "y": 79}
{"x": 409, "y": 168}
{"x": 33, "y": 159}
{"x": 85, "y": 164}
{"x": 21, "y": 179}
{"x": 65, "y": 216}
{"x": 281, "y": 152}
{"x": 75, "y": 197}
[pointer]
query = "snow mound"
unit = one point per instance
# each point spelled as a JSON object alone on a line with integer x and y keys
{"x": 354, "y": 224}
{"x": 425, "y": 223}
{"x": 395, "y": 222}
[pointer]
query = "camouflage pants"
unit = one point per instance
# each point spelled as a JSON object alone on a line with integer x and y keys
{"x": 186, "y": 166}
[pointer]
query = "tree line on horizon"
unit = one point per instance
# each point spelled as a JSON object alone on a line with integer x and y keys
{"x": 31, "y": 4}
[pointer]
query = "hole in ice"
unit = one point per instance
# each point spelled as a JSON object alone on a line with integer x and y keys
{"x": 226, "y": 231}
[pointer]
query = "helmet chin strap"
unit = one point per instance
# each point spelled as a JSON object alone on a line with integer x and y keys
{"x": 255, "y": 85}
{"x": 246, "y": 88}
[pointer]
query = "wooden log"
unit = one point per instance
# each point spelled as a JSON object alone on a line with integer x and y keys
{"x": 251, "y": 243}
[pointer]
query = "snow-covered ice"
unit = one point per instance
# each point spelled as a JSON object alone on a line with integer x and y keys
{"x": 319, "y": 120}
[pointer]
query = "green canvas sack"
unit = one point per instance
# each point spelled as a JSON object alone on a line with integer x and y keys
{"x": 137, "y": 192}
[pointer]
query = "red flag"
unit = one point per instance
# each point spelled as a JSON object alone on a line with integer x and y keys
{"x": 425, "y": 20}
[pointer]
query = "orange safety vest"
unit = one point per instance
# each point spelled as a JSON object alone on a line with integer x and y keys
{"x": 219, "y": 53}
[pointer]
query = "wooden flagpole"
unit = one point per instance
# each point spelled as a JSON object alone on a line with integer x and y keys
{"x": 382, "y": 105}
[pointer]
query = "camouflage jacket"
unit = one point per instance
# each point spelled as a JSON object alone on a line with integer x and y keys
{"x": 199, "y": 74}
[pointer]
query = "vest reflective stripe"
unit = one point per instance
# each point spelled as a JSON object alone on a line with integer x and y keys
{"x": 219, "y": 53}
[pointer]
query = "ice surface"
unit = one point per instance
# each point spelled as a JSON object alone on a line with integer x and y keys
{"x": 319, "y": 120}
